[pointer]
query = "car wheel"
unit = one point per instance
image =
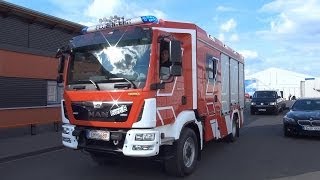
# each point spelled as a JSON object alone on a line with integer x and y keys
{"x": 186, "y": 151}
{"x": 252, "y": 112}
{"x": 286, "y": 133}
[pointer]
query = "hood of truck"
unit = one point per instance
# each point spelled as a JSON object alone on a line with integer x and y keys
{"x": 107, "y": 109}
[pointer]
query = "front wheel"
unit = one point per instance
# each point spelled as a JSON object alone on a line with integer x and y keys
{"x": 186, "y": 152}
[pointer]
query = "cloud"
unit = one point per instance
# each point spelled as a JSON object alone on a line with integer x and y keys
{"x": 221, "y": 37}
{"x": 101, "y": 8}
{"x": 293, "y": 17}
{"x": 234, "y": 37}
{"x": 228, "y": 25}
{"x": 294, "y": 33}
{"x": 249, "y": 54}
{"x": 225, "y": 9}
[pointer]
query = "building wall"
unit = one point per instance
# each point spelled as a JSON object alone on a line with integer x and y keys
{"x": 28, "y": 69}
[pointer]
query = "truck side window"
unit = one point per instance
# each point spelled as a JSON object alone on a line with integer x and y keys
{"x": 211, "y": 68}
{"x": 165, "y": 62}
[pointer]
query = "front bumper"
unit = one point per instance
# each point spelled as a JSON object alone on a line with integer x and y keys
{"x": 264, "y": 108}
{"x": 75, "y": 138}
{"x": 296, "y": 129}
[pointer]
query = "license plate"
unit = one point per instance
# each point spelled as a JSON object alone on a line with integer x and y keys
{"x": 98, "y": 135}
{"x": 262, "y": 110}
{"x": 311, "y": 128}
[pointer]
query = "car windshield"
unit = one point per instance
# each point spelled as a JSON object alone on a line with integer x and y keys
{"x": 306, "y": 105}
{"x": 265, "y": 94}
{"x": 118, "y": 54}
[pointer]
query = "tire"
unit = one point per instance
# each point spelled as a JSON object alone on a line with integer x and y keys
{"x": 102, "y": 159}
{"x": 234, "y": 133}
{"x": 276, "y": 112}
{"x": 286, "y": 133}
{"x": 180, "y": 164}
{"x": 252, "y": 112}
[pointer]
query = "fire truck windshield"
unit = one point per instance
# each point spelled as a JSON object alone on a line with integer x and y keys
{"x": 108, "y": 56}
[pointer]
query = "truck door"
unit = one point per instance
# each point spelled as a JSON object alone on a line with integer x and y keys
{"x": 174, "y": 93}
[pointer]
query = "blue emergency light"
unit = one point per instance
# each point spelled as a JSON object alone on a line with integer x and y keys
{"x": 110, "y": 23}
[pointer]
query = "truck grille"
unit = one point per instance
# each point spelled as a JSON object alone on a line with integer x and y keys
{"x": 101, "y": 111}
{"x": 309, "y": 122}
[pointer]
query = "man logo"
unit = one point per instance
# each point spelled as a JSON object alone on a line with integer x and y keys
{"x": 97, "y": 105}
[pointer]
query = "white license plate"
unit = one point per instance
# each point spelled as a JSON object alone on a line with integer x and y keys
{"x": 262, "y": 110}
{"x": 311, "y": 128}
{"x": 98, "y": 135}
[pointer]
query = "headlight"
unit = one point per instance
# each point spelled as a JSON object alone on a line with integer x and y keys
{"x": 145, "y": 137}
{"x": 273, "y": 103}
{"x": 288, "y": 120}
{"x": 253, "y": 103}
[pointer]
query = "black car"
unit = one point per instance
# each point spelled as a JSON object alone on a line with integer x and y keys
{"x": 303, "y": 118}
{"x": 267, "y": 101}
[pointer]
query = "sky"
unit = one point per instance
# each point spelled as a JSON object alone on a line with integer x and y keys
{"x": 268, "y": 33}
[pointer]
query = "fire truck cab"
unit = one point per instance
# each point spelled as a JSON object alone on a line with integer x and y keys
{"x": 144, "y": 87}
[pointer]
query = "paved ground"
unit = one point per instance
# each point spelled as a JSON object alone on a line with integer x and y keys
{"x": 261, "y": 153}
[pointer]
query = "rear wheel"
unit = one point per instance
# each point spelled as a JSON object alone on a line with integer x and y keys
{"x": 234, "y": 132}
{"x": 186, "y": 152}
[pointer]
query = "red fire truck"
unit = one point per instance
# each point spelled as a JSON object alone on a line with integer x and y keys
{"x": 121, "y": 98}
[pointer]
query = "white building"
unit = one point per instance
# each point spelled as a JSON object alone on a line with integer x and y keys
{"x": 288, "y": 82}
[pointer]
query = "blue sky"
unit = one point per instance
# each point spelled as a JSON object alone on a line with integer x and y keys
{"x": 268, "y": 33}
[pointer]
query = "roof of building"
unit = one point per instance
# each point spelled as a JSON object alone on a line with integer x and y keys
{"x": 31, "y": 16}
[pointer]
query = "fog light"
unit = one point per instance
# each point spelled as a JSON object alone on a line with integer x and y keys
{"x": 145, "y": 137}
{"x": 142, "y": 147}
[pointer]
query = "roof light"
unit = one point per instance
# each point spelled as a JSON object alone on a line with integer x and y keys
{"x": 116, "y": 21}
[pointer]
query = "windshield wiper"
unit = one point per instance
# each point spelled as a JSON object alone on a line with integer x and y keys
{"x": 129, "y": 81}
{"x": 95, "y": 84}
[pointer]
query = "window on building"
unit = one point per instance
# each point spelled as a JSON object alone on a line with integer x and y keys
{"x": 54, "y": 93}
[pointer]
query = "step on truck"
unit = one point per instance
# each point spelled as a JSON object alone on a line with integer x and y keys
{"x": 146, "y": 87}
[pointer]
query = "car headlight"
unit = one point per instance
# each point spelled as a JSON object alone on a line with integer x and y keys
{"x": 253, "y": 103}
{"x": 288, "y": 120}
{"x": 145, "y": 136}
{"x": 273, "y": 103}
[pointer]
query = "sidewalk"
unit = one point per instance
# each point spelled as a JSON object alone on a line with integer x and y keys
{"x": 18, "y": 142}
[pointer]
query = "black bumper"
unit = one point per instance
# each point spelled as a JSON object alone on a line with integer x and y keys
{"x": 264, "y": 109}
{"x": 296, "y": 129}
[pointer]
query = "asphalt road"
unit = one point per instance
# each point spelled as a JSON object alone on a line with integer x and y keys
{"x": 262, "y": 152}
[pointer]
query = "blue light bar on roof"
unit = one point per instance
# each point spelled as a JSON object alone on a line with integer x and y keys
{"x": 120, "y": 22}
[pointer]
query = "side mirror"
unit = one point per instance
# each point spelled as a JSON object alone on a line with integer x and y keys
{"x": 59, "y": 78}
{"x": 175, "y": 51}
{"x": 61, "y": 64}
{"x": 176, "y": 70}
{"x": 250, "y": 97}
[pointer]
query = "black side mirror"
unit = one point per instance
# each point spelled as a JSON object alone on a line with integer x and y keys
{"x": 61, "y": 64}
{"x": 176, "y": 70}
{"x": 175, "y": 51}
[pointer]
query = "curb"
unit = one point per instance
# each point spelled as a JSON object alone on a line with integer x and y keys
{"x": 29, "y": 154}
